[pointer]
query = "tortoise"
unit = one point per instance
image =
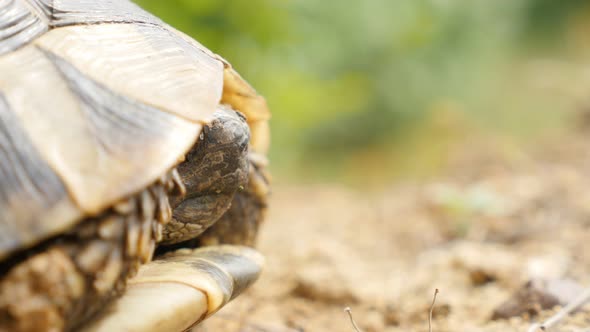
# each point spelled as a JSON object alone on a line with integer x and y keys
{"x": 124, "y": 145}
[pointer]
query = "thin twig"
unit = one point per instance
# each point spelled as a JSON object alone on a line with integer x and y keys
{"x": 349, "y": 311}
{"x": 561, "y": 314}
{"x": 431, "y": 310}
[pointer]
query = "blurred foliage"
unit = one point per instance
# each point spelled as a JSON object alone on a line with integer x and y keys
{"x": 361, "y": 86}
{"x": 545, "y": 20}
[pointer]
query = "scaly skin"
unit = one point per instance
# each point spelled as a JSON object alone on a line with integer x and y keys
{"x": 213, "y": 171}
{"x": 240, "y": 224}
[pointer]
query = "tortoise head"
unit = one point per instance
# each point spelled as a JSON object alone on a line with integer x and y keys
{"x": 214, "y": 169}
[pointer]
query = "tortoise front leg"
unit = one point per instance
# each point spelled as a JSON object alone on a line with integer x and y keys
{"x": 62, "y": 282}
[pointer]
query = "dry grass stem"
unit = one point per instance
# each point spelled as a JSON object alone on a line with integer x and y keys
{"x": 349, "y": 312}
{"x": 431, "y": 310}
{"x": 561, "y": 314}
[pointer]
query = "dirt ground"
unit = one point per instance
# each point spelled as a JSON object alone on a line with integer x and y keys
{"x": 478, "y": 233}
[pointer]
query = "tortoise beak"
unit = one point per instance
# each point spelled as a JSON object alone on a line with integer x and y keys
{"x": 180, "y": 289}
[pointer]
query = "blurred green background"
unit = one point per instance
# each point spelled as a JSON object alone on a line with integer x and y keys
{"x": 372, "y": 91}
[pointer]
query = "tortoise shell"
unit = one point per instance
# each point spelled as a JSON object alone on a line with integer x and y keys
{"x": 98, "y": 99}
